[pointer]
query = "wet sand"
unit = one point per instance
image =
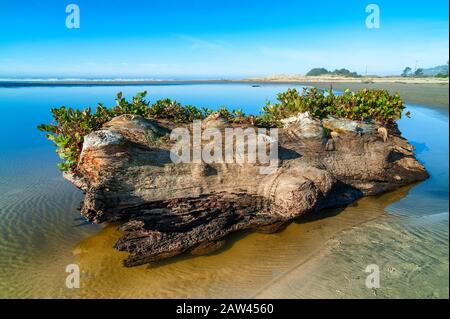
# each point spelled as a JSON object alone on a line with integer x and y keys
{"x": 320, "y": 256}
{"x": 249, "y": 264}
{"x": 411, "y": 261}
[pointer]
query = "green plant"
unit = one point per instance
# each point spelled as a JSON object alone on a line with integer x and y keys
{"x": 68, "y": 129}
{"x": 168, "y": 109}
{"x": 363, "y": 105}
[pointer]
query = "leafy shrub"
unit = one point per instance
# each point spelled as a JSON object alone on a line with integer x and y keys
{"x": 363, "y": 105}
{"x": 172, "y": 110}
{"x": 68, "y": 129}
{"x": 69, "y": 126}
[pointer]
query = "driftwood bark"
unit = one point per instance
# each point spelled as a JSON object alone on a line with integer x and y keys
{"x": 167, "y": 209}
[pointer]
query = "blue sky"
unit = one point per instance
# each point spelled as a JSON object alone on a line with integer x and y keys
{"x": 218, "y": 39}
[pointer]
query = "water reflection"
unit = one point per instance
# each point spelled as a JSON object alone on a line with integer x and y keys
{"x": 247, "y": 266}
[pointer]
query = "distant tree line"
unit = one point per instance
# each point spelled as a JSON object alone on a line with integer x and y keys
{"x": 408, "y": 72}
{"x": 340, "y": 72}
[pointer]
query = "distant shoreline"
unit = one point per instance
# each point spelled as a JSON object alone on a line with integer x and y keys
{"x": 342, "y": 79}
{"x": 27, "y": 83}
{"x": 298, "y": 79}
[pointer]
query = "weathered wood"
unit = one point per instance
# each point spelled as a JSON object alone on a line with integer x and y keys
{"x": 167, "y": 209}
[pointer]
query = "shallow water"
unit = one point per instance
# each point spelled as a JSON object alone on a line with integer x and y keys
{"x": 404, "y": 232}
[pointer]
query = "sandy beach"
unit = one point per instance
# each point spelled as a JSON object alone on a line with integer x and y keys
{"x": 363, "y": 79}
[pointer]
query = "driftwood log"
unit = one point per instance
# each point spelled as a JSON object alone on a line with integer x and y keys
{"x": 166, "y": 209}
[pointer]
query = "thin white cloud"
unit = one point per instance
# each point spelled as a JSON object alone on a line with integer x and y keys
{"x": 197, "y": 43}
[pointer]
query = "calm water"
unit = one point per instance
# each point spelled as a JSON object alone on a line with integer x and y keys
{"x": 404, "y": 232}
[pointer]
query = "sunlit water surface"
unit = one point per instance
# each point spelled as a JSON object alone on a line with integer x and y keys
{"x": 404, "y": 232}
